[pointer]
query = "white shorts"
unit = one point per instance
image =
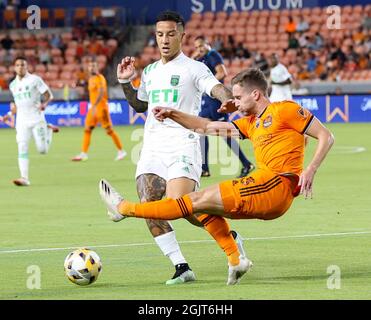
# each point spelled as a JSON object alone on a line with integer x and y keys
{"x": 25, "y": 130}
{"x": 37, "y": 130}
{"x": 185, "y": 162}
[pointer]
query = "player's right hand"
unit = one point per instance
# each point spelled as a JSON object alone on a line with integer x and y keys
{"x": 161, "y": 113}
{"x": 126, "y": 69}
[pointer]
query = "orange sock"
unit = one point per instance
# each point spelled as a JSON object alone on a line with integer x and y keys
{"x": 116, "y": 139}
{"x": 218, "y": 227}
{"x": 167, "y": 209}
{"x": 86, "y": 141}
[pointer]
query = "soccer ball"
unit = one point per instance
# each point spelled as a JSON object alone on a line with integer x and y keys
{"x": 82, "y": 266}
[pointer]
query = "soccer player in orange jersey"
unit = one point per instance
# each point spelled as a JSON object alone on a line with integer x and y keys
{"x": 98, "y": 113}
{"x": 277, "y": 133}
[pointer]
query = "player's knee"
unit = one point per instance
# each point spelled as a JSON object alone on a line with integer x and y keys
{"x": 198, "y": 200}
{"x": 22, "y": 147}
{"x": 109, "y": 130}
{"x": 89, "y": 129}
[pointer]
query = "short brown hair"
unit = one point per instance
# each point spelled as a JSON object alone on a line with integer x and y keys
{"x": 251, "y": 79}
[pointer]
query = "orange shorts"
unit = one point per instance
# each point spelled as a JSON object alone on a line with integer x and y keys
{"x": 101, "y": 116}
{"x": 260, "y": 195}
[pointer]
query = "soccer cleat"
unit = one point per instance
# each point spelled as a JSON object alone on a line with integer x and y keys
{"x": 112, "y": 199}
{"x": 80, "y": 157}
{"x": 246, "y": 170}
{"x": 205, "y": 173}
{"x": 53, "y": 127}
{"x": 239, "y": 241}
{"x": 121, "y": 155}
{"x": 235, "y": 273}
{"x": 183, "y": 273}
{"x": 22, "y": 182}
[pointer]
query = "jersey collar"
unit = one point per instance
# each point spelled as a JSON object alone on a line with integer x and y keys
{"x": 25, "y": 76}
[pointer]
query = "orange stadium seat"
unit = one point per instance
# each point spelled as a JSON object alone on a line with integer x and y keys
{"x": 241, "y": 23}
{"x": 221, "y": 15}
{"x": 234, "y": 15}
{"x": 196, "y": 16}
{"x": 209, "y": 15}
{"x": 244, "y": 14}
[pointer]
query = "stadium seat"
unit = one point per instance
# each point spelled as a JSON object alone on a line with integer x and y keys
{"x": 209, "y": 15}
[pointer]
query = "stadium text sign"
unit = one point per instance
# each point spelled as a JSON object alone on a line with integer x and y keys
{"x": 199, "y": 6}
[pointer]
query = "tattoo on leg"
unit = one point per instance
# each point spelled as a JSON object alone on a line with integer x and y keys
{"x": 151, "y": 187}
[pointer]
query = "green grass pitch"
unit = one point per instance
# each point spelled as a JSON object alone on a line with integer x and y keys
{"x": 294, "y": 256}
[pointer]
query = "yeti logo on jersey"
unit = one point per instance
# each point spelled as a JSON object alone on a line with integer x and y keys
{"x": 174, "y": 80}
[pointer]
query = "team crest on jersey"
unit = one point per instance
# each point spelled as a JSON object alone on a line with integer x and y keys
{"x": 257, "y": 123}
{"x": 174, "y": 80}
{"x": 267, "y": 122}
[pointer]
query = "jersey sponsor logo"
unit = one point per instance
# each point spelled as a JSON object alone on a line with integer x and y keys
{"x": 247, "y": 180}
{"x": 174, "y": 80}
{"x": 164, "y": 95}
{"x": 267, "y": 121}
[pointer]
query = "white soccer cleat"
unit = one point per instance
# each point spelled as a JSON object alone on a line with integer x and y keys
{"x": 22, "y": 182}
{"x": 235, "y": 273}
{"x": 121, "y": 155}
{"x": 112, "y": 199}
{"x": 80, "y": 157}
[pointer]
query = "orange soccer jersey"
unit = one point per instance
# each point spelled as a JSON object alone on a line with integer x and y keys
{"x": 278, "y": 140}
{"x": 96, "y": 84}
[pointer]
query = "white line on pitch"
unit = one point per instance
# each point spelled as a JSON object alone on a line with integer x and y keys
{"x": 318, "y": 235}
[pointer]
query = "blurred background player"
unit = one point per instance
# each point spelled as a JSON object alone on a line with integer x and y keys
{"x": 31, "y": 96}
{"x": 209, "y": 106}
{"x": 98, "y": 113}
{"x": 281, "y": 80}
{"x": 170, "y": 160}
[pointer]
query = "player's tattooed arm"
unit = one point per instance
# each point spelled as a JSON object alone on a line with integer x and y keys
{"x": 151, "y": 187}
{"x": 131, "y": 96}
{"x": 221, "y": 93}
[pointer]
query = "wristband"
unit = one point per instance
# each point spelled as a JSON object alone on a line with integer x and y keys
{"x": 123, "y": 81}
{"x": 9, "y": 113}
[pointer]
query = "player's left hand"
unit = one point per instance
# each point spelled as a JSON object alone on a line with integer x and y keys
{"x": 161, "y": 113}
{"x": 306, "y": 182}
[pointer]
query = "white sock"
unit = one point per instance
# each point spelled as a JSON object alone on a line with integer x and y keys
{"x": 49, "y": 137}
{"x": 23, "y": 164}
{"x": 169, "y": 246}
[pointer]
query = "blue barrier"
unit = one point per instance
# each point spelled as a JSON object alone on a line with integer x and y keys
{"x": 330, "y": 108}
